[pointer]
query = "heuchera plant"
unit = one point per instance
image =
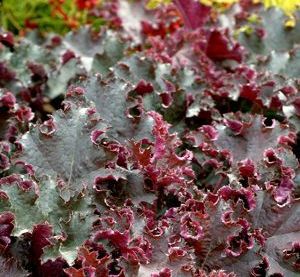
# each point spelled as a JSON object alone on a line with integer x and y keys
{"x": 164, "y": 145}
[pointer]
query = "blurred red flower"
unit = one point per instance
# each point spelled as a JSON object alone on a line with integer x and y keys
{"x": 86, "y": 4}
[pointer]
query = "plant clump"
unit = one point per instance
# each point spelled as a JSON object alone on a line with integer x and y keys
{"x": 167, "y": 145}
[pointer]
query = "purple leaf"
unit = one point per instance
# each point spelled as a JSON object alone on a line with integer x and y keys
{"x": 193, "y": 12}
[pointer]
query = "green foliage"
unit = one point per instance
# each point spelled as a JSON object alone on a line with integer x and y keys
{"x": 48, "y": 16}
{"x": 14, "y": 14}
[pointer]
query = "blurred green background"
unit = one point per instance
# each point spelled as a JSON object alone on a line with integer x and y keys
{"x": 60, "y": 16}
{"x": 48, "y": 15}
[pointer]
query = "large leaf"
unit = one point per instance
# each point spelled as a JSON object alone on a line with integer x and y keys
{"x": 113, "y": 51}
{"x": 166, "y": 98}
{"x": 281, "y": 226}
{"x": 77, "y": 229}
{"x": 111, "y": 101}
{"x": 283, "y": 63}
{"x": 60, "y": 79}
{"x": 27, "y": 52}
{"x": 105, "y": 47}
{"x": 71, "y": 221}
{"x": 62, "y": 147}
{"x": 253, "y": 140}
{"x": 278, "y": 39}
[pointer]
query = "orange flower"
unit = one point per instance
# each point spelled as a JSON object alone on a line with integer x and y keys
{"x": 86, "y": 4}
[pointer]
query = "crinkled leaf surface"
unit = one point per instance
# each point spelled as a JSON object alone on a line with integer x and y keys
{"x": 77, "y": 229}
{"x": 282, "y": 227}
{"x": 24, "y": 54}
{"x": 60, "y": 80}
{"x": 69, "y": 152}
{"x": 110, "y": 184}
{"x": 112, "y": 103}
{"x": 72, "y": 220}
{"x": 253, "y": 140}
